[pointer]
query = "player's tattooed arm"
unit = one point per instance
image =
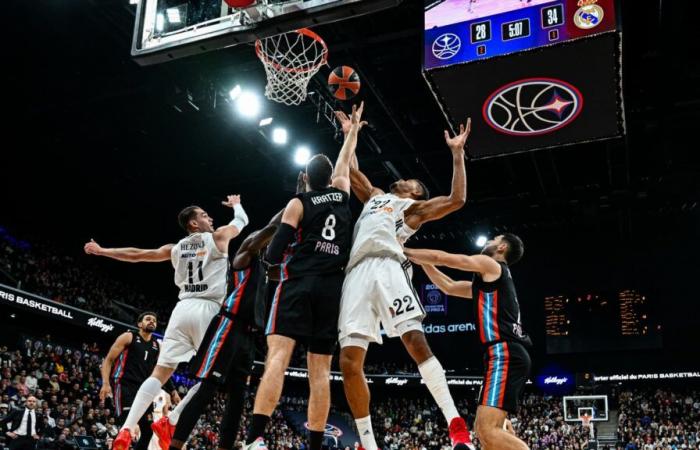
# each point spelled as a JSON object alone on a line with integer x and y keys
{"x": 446, "y": 284}
{"x": 438, "y": 207}
{"x": 481, "y": 264}
{"x": 224, "y": 234}
{"x": 118, "y": 346}
{"x": 130, "y": 254}
{"x": 255, "y": 242}
{"x": 351, "y": 128}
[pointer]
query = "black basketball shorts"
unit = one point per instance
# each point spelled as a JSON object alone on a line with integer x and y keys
{"x": 226, "y": 352}
{"x": 306, "y": 309}
{"x": 507, "y": 366}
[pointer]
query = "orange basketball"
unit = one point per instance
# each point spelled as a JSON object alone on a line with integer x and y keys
{"x": 344, "y": 82}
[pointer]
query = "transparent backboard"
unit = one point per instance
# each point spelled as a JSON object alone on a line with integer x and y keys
{"x": 594, "y": 406}
{"x": 171, "y": 29}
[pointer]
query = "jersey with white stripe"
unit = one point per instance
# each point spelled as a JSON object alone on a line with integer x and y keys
{"x": 381, "y": 230}
{"x": 200, "y": 268}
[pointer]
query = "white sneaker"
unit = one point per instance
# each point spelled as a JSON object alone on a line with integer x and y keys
{"x": 258, "y": 444}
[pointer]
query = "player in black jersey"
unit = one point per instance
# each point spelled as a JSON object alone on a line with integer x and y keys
{"x": 131, "y": 360}
{"x": 225, "y": 357}
{"x": 506, "y": 360}
{"x": 312, "y": 247}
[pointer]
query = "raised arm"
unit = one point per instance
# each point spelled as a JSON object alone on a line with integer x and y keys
{"x": 341, "y": 172}
{"x": 225, "y": 233}
{"x": 438, "y": 207}
{"x": 293, "y": 213}
{"x": 481, "y": 264}
{"x": 130, "y": 254}
{"x": 119, "y": 345}
{"x": 360, "y": 185}
{"x": 255, "y": 242}
{"x": 448, "y": 285}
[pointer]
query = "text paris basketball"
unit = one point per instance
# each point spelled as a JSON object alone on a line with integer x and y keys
{"x": 326, "y": 246}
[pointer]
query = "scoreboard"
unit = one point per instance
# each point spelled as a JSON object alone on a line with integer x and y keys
{"x": 532, "y": 74}
{"x": 463, "y": 31}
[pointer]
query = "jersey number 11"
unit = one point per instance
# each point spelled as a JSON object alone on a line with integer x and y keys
{"x": 199, "y": 271}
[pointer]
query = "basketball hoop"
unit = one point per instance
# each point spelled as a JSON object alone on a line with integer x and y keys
{"x": 290, "y": 60}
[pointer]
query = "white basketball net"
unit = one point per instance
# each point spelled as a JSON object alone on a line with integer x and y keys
{"x": 290, "y": 60}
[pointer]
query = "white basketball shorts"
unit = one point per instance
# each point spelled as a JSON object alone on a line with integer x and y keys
{"x": 185, "y": 331}
{"x": 378, "y": 292}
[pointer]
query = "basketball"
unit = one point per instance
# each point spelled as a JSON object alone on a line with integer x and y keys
{"x": 344, "y": 82}
{"x": 239, "y": 3}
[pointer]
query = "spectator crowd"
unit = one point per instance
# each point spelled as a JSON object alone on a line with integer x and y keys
{"x": 41, "y": 269}
{"x": 66, "y": 382}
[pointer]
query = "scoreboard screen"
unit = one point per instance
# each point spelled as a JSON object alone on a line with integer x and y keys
{"x": 462, "y": 31}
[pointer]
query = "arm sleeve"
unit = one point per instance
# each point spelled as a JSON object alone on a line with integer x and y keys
{"x": 169, "y": 386}
{"x": 282, "y": 238}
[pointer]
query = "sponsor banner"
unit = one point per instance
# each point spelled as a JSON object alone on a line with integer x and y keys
{"x": 646, "y": 376}
{"x": 449, "y": 328}
{"x": 556, "y": 383}
{"x": 74, "y": 316}
{"x": 398, "y": 380}
{"x": 434, "y": 301}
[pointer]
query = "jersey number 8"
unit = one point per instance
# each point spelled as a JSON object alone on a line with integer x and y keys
{"x": 328, "y": 231}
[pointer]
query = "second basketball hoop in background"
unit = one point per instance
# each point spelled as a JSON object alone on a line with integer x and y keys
{"x": 344, "y": 82}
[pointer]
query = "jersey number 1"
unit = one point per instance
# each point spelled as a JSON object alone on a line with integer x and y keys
{"x": 328, "y": 231}
{"x": 199, "y": 271}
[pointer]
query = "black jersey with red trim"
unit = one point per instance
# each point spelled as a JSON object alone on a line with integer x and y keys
{"x": 497, "y": 309}
{"x": 136, "y": 362}
{"x": 242, "y": 299}
{"x": 323, "y": 238}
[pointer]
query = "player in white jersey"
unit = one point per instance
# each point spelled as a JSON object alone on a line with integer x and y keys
{"x": 378, "y": 290}
{"x": 200, "y": 261}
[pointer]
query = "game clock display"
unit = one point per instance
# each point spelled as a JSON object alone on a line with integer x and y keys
{"x": 462, "y": 31}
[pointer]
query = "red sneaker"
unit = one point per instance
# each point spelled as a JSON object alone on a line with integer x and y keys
{"x": 123, "y": 440}
{"x": 164, "y": 430}
{"x": 459, "y": 435}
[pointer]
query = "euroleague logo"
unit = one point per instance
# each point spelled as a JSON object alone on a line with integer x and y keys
{"x": 331, "y": 430}
{"x": 434, "y": 298}
{"x": 589, "y": 15}
{"x": 446, "y": 46}
{"x": 533, "y": 106}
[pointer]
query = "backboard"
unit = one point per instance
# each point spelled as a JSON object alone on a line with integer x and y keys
{"x": 593, "y": 406}
{"x": 171, "y": 29}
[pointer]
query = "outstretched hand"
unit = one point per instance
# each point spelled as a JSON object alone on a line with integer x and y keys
{"x": 458, "y": 142}
{"x": 232, "y": 200}
{"x": 92, "y": 248}
{"x": 355, "y": 119}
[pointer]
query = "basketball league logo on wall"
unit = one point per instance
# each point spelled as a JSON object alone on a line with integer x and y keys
{"x": 589, "y": 15}
{"x": 446, "y": 46}
{"x": 331, "y": 430}
{"x": 533, "y": 106}
{"x": 433, "y": 300}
